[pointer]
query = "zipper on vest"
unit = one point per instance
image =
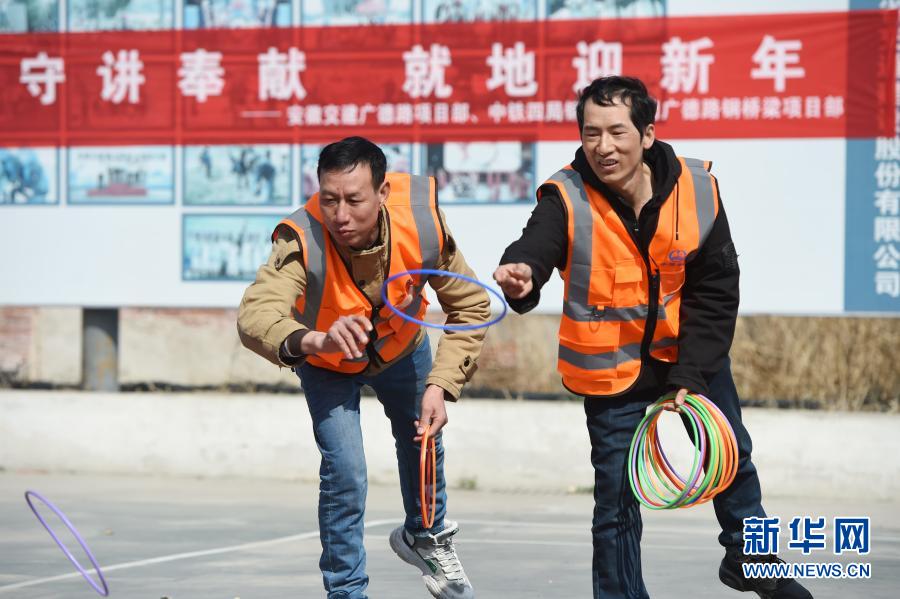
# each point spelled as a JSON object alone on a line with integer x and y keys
{"x": 370, "y": 346}
{"x": 376, "y": 310}
{"x": 653, "y": 300}
{"x": 633, "y": 228}
{"x": 635, "y": 231}
{"x": 652, "y": 313}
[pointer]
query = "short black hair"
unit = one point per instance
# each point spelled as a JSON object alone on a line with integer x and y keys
{"x": 345, "y": 154}
{"x": 627, "y": 90}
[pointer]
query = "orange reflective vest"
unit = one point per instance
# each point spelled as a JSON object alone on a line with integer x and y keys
{"x": 416, "y": 241}
{"x": 616, "y": 302}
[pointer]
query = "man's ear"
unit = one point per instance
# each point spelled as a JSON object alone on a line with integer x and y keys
{"x": 649, "y": 136}
{"x": 383, "y": 192}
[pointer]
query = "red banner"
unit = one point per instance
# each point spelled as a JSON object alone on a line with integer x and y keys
{"x": 751, "y": 76}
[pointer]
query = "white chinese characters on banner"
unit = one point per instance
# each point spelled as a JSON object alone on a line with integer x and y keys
{"x": 597, "y": 59}
{"x": 684, "y": 66}
{"x": 279, "y": 74}
{"x": 513, "y": 69}
{"x": 685, "y": 73}
{"x": 887, "y": 282}
{"x": 122, "y": 76}
{"x": 887, "y": 148}
{"x": 386, "y": 114}
{"x": 813, "y": 107}
{"x": 694, "y": 109}
{"x": 752, "y": 108}
{"x": 425, "y": 71}
{"x": 887, "y": 229}
{"x": 887, "y": 174}
{"x": 887, "y": 201}
{"x": 551, "y": 111}
{"x": 886, "y": 225}
{"x": 887, "y": 257}
{"x": 777, "y": 60}
{"x": 201, "y": 74}
{"x": 41, "y": 75}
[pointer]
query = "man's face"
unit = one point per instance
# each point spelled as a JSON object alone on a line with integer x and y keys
{"x": 350, "y": 205}
{"x": 612, "y": 144}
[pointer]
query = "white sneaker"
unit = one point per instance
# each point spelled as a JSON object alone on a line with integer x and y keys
{"x": 435, "y": 556}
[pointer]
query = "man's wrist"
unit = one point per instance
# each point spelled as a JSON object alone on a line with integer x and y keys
{"x": 292, "y": 347}
{"x": 443, "y": 385}
{"x": 311, "y": 342}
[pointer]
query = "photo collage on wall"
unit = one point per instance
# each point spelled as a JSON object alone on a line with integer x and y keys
{"x": 230, "y": 197}
{"x": 121, "y": 175}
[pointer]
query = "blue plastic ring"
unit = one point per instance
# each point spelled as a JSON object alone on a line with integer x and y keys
{"x": 442, "y": 273}
{"x": 28, "y": 495}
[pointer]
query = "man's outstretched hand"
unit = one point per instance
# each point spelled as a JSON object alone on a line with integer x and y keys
{"x": 514, "y": 279}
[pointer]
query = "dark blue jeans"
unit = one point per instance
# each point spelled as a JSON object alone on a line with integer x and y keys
{"x": 333, "y": 400}
{"x": 617, "y": 526}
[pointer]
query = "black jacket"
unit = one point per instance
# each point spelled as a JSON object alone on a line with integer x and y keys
{"x": 709, "y": 301}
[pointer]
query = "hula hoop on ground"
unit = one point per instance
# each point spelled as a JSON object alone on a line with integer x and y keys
{"x": 428, "y": 478}
{"x": 655, "y": 482}
{"x": 104, "y": 591}
{"x": 441, "y": 273}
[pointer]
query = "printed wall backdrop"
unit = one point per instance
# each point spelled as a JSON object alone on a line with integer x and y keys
{"x": 203, "y": 150}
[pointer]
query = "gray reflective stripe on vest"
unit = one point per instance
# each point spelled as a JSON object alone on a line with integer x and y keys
{"x": 703, "y": 197}
{"x": 580, "y": 313}
{"x": 583, "y": 239}
{"x": 612, "y": 359}
{"x": 429, "y": 245}
{"x": 575, "y": 305}
{"x": 601, "y": 361}
{"x": 420, "y": 201}
{"x": 315, "y": 266}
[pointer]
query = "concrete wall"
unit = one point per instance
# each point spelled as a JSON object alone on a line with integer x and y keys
{"x": 190, "y": 348}
{"x": 842, "y": 363}
{"x": 40, "y": 345}
{"x": 491, "y": 444}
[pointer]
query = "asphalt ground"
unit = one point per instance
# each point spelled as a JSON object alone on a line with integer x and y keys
{"x": 186, "y": 538}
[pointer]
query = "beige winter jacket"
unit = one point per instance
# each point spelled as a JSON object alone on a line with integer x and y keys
{"x": 265, "y": 320}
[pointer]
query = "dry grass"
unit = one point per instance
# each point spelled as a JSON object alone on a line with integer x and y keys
{"x": 835, "y": 363}
{"x": 829, "y": 363}
{"x": 519, "y": 358}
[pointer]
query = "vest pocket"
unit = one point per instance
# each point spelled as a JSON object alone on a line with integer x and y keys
{"x": 398, "y": 291}
{"x": 671, "y": 279}
{"x": 405, "y": 304}
{"x": 591, "y": 337}
{"x": 628, "y": 286}
{"x": 600, "y": 290}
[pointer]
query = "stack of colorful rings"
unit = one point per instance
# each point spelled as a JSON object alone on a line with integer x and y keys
{"x": 655, "y": 482}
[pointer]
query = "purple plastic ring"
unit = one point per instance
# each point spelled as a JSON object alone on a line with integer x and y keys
{"x": 104, "y": 591}
{"x": 689, "y": 487}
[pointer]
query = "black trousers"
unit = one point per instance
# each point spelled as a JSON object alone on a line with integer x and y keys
{"x": 617, "y": 526}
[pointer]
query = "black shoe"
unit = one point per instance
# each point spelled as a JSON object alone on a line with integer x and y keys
{"x": 731, "y": 574}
